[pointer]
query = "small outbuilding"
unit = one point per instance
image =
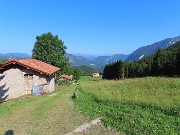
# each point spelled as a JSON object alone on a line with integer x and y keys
{"x": 95, "y": 75}
{"x": 67, "y": 77}
{"x": 18, "y": 77}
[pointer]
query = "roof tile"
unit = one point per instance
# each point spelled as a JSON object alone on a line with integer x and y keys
{"x": 69, "y": 77}
{"x": 33, "y": 64}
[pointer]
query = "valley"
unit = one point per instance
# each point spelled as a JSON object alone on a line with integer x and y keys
{"x": 99, "y": 62}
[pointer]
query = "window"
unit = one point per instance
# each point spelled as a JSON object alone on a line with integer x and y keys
{"x": 28, "y": 76}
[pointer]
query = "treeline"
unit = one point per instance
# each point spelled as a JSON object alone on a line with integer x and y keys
{"x": 163, "y": 63}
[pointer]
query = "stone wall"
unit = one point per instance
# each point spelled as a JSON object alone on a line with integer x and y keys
{"x": 12, "y": 84}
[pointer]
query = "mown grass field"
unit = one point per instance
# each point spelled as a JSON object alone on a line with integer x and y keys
{"x": 53, "y": 113}
{"x": 50, "y": 114}
{"x": 133, "y": 106}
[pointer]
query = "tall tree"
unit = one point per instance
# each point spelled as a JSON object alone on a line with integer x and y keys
{"x": 178, "y": 62}
{"x": 120, "y": 69}
{"x": 105, "y": 72}
{"x": 158, "y": 63}
{"x": 51, "y": 49}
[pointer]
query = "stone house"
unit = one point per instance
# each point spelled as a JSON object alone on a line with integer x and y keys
{"x": 18, "y": 77}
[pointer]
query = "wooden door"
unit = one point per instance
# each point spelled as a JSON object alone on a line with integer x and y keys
{"x": 28, "y": 83}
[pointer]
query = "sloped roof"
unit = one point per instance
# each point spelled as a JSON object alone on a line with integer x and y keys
{"x": 33, "y": 64}
{"x": 69, "y": 77}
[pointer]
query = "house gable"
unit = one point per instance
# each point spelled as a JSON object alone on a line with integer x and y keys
{"x": 33, "y": 64}
{"x": 19, "y": 78}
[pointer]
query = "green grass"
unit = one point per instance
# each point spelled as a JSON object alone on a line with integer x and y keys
{"x": 41, "y": 114}
{"x": 52, "y": 113}
{"x": 134, "y": 106}
{"x": 14, "y": 104}
{"x": 89, "y": 78}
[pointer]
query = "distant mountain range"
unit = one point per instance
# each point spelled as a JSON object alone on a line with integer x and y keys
{"x": 100, "y": 61}
{"x": 152, "y": 49}
{"x": 97, "y": 62}
{"x": 10, "y": 56}
{"x": 22, "y": 55}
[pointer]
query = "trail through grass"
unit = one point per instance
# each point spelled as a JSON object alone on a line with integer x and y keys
{"x": 41, "y": 115}
{"x": 51, "y": 114}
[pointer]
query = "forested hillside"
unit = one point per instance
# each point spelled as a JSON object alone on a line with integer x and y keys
{"x": 87, "y": 71}
{"x": 164, "y": 63}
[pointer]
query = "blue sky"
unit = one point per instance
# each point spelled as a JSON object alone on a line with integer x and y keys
{"x": 95, "y": 27}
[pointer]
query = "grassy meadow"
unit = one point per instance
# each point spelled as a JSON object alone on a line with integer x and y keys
{"x": 134, "y": 106}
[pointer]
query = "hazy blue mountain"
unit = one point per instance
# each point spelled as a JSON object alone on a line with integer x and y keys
{"x": 78, "y": 60}
{"x": 87, "y": 70}
{"x": 18, "y": 55}
{"x": 10, "y": 56}
{"x": 151, "y": 49}
{"x": 100, "y": 61}
{"x": 97, "y": 62}
{"x": 89, "y": 56}
{"x": 109, "y": 59}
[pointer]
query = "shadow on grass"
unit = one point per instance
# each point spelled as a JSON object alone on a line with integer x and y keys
{"x": 9, "y": 132}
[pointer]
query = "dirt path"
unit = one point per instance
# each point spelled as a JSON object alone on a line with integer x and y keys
{"x": 50, "y": 114}
{"x": 85, "y": 126}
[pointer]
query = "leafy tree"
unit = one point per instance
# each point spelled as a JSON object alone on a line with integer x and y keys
{"x": 51, "y": 49}
{"x": 77, "y": 73}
